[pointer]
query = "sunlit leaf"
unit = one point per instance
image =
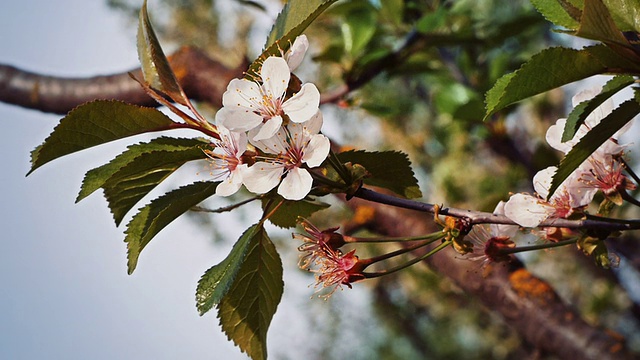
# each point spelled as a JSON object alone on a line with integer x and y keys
{"x": 560, "y": 12}
{"x": 152, "y": 218}
{"x": 546, "y": 70}
{"x": 96, "y": 178}
{"x": 155, "y": 66}
{"x": 388, "y": 169}
{"x": 360, "y": 23}
{"x": 287, "y": 213}
{"x": 96, "y": 123}
{"x": 579, "y": 114}
{"x": 625, "y": 13}
{"x": 294, "y": 18}
{"x": 596, "y": 24}
{"x": 216, "y": 281}
{"x": 245, "y": 312}
{"x": 592, "y": 141}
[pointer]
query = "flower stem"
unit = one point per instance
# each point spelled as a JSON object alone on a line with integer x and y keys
{"x": 225, "y": 208}
{"x": 538, "y": 247}
{"x": 370, "y": 275}
{"x": 629, "y": 170}
{"x": 433, "y": 236}
{"x": 626, "y": 196}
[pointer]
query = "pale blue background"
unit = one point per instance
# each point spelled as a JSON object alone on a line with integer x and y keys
{"x": 64, "y": 291}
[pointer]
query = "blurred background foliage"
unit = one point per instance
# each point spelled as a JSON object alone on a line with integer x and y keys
{"x": 419, "y": 70}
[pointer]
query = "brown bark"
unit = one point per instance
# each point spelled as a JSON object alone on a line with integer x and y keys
{"x": 201, "y": 77}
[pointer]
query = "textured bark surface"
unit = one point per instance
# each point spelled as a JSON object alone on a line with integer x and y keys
{"x": 202, "y": 78}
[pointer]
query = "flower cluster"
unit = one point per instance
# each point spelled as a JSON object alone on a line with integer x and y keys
{"x": 283, "y": 128}
{"x": 602, "y": 171}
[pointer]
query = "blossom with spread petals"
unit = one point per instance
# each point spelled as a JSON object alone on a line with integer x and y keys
{"x": 294, "y": 147}
{"x": 530, "y": 211}
{"x": 226, "y": 160}
{"x": 250, "y": 104}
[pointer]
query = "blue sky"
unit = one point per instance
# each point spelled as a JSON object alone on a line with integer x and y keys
{"x": 65, "y": 291}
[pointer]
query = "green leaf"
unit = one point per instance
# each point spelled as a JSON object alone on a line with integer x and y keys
{"x": 152, "y": 218}
{"x": 625, "y": 13}
{"x": 596, "y": 24}
{"x": 245, "y": 312}
{"x": 96, "y": 123}
{"x": 294, "y": 18}
{"x": 136, "y": 179}
{"x": 216, "y": 281}
{"x": 546, "y": 70}
{"x": 96, "y": 178}
{"x": 560, "y": 12}
{"x": 289, "y": 211}
{"x": 579, "y": 114}
{"x": 388, "y": 169}
{"x": 592, "y": 141}
{"x": 155, "y": 66}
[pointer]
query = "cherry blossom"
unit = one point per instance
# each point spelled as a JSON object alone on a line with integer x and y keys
{"x": 262, "y": 104}
{"x": 530, "y": 211}
{"x": 601, "y": 170}
{"x": 226, "y": 160}
{"x": 488, "y": 242}
{"x": 294, "y": 147}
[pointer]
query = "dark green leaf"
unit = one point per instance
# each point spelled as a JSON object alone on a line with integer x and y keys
{"x": 155, "y": 66}
{"x": 546, "y": 70}
{"x": 96, "y": 178}
{"x": 289, "y": 211}
{"x": 152, "y": 218}
{"x": 136, "y": 179}
{"x": 580, "y": 112}
{"x": 592, "y": 141}
{"x": 388, "y": 169}
{"x": 216, "y": 281}
{"x": 560, "y": 12}
{"x": 245, "y": 312}
{"x": 294, "y": 18}
{"x": 96, "y": 123}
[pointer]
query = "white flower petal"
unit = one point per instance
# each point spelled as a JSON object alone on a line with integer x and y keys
{"x": 500, "y": 229}
{"x": 275, "y": 77}
{"x": 242, "y": 93}
{"x": 303, "y": 105}
{"x": 527, "y": 210}
{"x": 232, "y": 183}
{"x": 317, "y": 150}
{"x": 296, "y": 184}
{"x": 238, "y": 119}
{"x": 262, "y": 176}
{"x": 554, "y": 137}
{"x": 268, "y": 129}
{"x": 297, "y": 51}
{"x": 542, "y": 181}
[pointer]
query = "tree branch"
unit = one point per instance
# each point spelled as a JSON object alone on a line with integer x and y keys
{"x": 202, "y": 78}
{"x": 528, "y": 304}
